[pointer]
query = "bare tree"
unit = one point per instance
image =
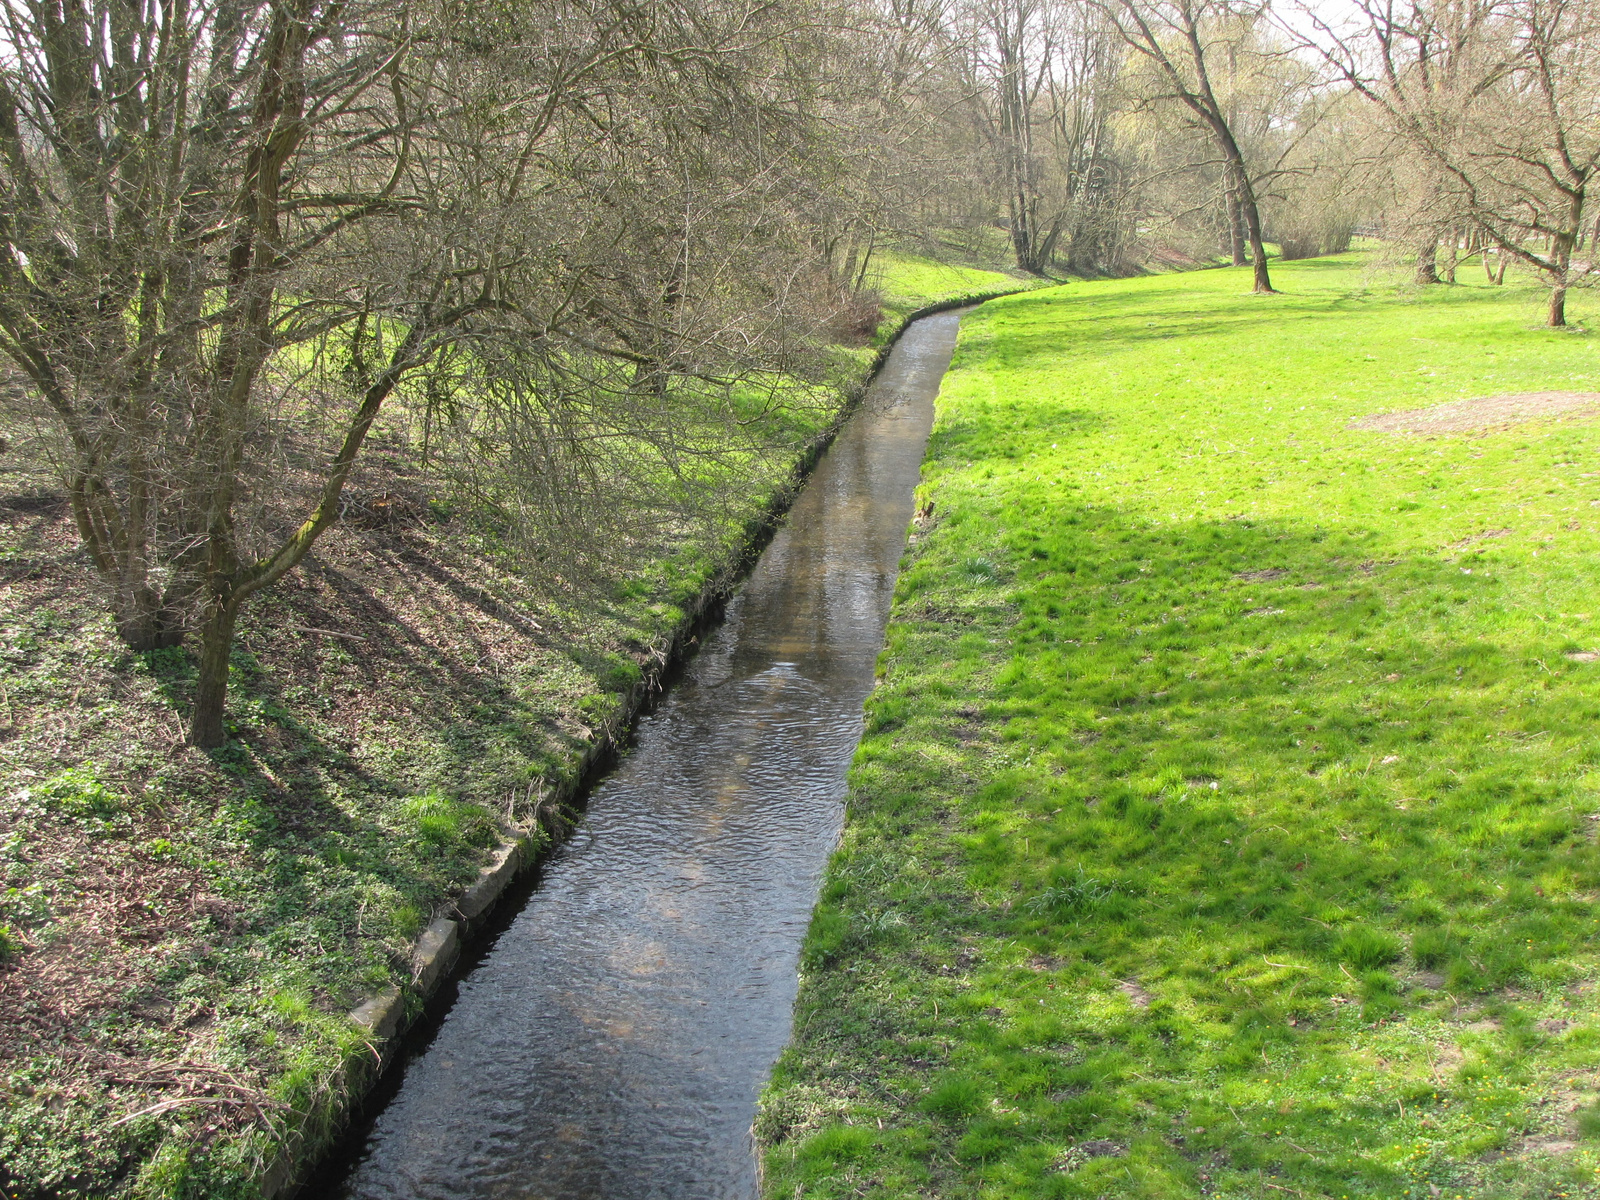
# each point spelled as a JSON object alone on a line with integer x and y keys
{"x": 222, "y": 222}
{"x": 1179, "y": 39}
{"x": 155, "y": 198}
{"x": 1038, "y": 77}
{"x": 1501, "y": 98}
{"x": 1089, "y": 176}
{"x": 1006, "y": 44}
{"x": 1327, "y": 181}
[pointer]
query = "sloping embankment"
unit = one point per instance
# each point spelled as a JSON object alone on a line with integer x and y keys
{"x": 188, "y": 936}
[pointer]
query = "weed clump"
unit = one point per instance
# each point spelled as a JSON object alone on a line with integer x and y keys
{"x": 444, "y": 823}
{"x": 1364, "y": 948}
{"x": 1075, "y": 893}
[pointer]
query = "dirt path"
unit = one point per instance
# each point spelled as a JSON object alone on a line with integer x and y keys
{"x": 1482, "y": 412}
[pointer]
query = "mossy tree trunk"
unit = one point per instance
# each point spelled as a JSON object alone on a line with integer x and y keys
{"x": 1427, "y": 269}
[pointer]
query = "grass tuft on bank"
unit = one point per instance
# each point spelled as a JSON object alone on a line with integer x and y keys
{"x": 906, "y": 282}
{"x": 1225, "y": 819}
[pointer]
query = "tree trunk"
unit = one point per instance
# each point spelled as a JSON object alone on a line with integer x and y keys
{"x": 1252, "y": 222}
{"x": 1235, "y": 222}
{"x": 848, "y": 271}
{"x": 1022, "y": 234}
{"x": 206, "y": 728}
{"x": 1453, "y": 253}
{"x": 1247, "y": 205}
{"x": 866, "y": 261}
{"x": 1561, "y": 245}
{"x": 1558, "y": 307}
{"x": 144, "y": 622}
{"x": 228, "y": 586}
{"x": 1427, "y": 262}
{"x": 1488, "y": 271}
{"x": 1500, "y": 275}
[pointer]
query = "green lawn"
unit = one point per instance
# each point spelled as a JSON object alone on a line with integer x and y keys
{"x": 911, "y": 279}
{"x": 907, "y": 282}
{"x": 1225, "y": 819}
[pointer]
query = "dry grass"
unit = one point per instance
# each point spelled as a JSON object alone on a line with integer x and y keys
{"x": 1482, "y": 412}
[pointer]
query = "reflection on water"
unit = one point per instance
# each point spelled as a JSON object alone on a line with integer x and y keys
{"x": 613, "y": 1040}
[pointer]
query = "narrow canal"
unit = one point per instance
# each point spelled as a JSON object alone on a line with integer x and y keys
{"x": 613, "y": 1039}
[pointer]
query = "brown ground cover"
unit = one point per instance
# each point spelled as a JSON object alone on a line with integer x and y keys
{"x": 183, "y": 931}
{"x": 1482, "y": 412}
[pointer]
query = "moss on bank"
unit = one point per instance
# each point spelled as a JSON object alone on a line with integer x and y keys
{"x": 1225, "y": 819}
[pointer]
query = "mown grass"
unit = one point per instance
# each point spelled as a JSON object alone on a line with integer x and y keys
{"x": 906, "y": 282}
{"x": 1225, "y": 818}
{"x": 916, "y": 280}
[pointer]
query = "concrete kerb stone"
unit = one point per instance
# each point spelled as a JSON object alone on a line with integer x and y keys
{"x": 435, "y": 954}
{"x": 493, "y": 879}
{"x": 381, "y": 1015}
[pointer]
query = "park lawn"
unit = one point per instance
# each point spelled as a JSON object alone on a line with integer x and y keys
{"x": 1224, "y": 822}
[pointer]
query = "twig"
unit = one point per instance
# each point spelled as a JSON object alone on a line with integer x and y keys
{"x": 353, "y": 637}
{"x": 173, "y": 1102}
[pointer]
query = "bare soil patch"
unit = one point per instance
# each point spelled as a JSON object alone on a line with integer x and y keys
{"x": 1482, "y": 412}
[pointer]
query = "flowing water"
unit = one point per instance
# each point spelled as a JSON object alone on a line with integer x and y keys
{"x": 612, "y": 1040}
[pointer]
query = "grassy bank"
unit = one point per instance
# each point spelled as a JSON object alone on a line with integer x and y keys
{"x": 183, "y": 934}
{"x": 1225, "y": 819}
{"x": 907, "y": 282}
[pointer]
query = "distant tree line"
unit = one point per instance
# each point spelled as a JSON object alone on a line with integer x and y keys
{"x": 1107, "y": 136}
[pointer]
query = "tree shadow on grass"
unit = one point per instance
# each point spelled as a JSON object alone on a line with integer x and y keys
{"x": 996, "y": 432}
{"x": 1296, "y": 793}
{"x": 362, "y": 712}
